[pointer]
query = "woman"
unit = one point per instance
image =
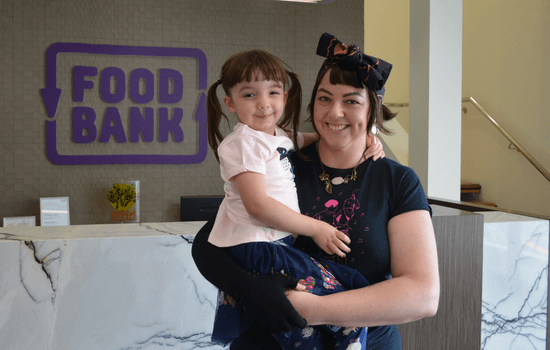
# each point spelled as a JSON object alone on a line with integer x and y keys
{"x": 380, "y": 205}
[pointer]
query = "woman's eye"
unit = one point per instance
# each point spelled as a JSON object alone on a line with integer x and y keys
{"x": 324, "y": 98}
{"x": 352, "y": 102}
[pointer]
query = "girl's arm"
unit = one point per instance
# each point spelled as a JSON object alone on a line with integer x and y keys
{"x": 275, "y": 214}
{"x": 374, "y": 148}
{"x": 309, "y": 138}
{"x": 412, "y": 293}
{"x": 262, "y": 296}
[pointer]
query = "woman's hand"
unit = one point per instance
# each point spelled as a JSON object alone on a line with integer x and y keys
{"x": 374, "y": 148}
{"x": 305, "y": 303}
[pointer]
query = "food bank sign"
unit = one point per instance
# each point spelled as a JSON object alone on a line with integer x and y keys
{"x": 118, "y": 112}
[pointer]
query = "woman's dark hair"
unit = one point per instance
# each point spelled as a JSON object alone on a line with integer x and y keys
{"x": 246, "y": 66}
{"x": 378, "y": 114}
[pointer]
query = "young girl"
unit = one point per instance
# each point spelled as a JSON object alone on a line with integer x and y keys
{"x": 260, "y": 208}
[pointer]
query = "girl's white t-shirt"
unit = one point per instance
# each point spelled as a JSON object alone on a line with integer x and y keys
{"x": 246, "y": 149}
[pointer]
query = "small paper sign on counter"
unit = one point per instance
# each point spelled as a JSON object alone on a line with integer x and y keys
{"x": 54, "y": 211}
{"x": 124, "y": 200}
{"x": 20, "y": 221}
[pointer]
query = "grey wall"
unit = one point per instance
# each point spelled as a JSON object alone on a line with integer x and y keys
{"x": 457, "y": 324}
{"x": 218, "y": 27}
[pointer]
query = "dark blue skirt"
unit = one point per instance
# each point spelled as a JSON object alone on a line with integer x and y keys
{"x": 319, "y": 276}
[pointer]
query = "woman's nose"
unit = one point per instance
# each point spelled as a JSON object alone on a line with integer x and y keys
{"x": 336, "y": 110}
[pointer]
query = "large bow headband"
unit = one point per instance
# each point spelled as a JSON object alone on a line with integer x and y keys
{"x": 372, "y": 71}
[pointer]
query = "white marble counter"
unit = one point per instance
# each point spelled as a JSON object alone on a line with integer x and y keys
{"x": 135, "y": 286}
{"x": 515, "y": 282}
{"x": 42, "y": 233}
{"x": 119, "y": 286}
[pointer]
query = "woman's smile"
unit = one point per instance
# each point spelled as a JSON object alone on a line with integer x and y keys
{"x": 336, "y": 127}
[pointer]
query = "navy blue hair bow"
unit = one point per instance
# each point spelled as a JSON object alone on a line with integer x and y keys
{"x": 372, "y": 71}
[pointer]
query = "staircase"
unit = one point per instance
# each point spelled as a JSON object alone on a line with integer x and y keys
{"x": 472, "y": 193}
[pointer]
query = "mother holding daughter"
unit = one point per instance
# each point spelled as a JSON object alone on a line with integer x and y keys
{"x": 379, "y": 206}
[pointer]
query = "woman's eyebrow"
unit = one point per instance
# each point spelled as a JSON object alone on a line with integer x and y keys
{"x": 325, "y": 91}
{"x": 353, "y": 93}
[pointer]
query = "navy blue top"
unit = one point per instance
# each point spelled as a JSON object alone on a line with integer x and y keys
{"x": 361, "y": 208}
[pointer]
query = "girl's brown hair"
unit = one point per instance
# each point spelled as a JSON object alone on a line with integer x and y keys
{"x": 246, "y": 66}
{"x": 378, "y": 113}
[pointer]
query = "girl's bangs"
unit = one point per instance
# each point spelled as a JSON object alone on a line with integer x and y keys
{"x": 258, "y": 64}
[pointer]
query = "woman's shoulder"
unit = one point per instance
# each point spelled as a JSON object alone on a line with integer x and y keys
{"x": 309, "y": 151}
{"x": 388, "y": 172}
{"x": 391, "y": 165}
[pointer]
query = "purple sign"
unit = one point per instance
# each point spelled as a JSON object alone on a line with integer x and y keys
{"x": 83, "y": 118}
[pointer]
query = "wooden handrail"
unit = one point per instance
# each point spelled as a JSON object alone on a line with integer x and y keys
{"x": 509, "y": 137}
{"x": 506, "y": 134}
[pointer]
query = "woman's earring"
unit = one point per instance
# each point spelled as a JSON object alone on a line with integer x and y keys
{"x": 374, "y": 129}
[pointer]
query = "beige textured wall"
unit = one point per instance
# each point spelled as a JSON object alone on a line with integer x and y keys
{"x": 505, "y": 54}
{"x": 387, "y": 36}
{"x": 218, "y": 27}
{"x": 505, "y": 68}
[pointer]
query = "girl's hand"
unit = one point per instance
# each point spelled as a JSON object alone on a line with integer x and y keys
{"x": 374, "y": 148}
{"x": 331, "y": 240}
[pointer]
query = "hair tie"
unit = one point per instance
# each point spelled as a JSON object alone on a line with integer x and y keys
{"x": 219, "y": 81}
{"x": 373, "y": 72}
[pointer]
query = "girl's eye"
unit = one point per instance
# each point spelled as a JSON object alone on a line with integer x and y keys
{"x": 352, "y": 102}
{"x": 324, "y": 98}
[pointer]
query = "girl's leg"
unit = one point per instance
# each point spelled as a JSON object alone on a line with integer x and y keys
{"x": 349, "y": 338}
{"x": 316, "y": 275}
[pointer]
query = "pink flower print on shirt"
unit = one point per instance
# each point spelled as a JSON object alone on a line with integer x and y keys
{"x": 329, "y": 281}
{"x": 309, "y": 283}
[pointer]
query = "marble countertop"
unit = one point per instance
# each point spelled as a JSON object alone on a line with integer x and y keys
{"x": 43, "y": 233}
{"x": 499, "y": 216}
{"x": 112, "y": 286}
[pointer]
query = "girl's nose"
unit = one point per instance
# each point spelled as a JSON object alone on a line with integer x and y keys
{"x": 263, "y": 103}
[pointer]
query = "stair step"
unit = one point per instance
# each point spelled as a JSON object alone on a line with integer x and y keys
{"x": 470, "y": 188}
{"x": 467, "y": 194}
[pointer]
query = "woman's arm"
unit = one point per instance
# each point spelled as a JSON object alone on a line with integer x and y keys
{"x": 262, "y": 296}
{"x": 412, "y": 293}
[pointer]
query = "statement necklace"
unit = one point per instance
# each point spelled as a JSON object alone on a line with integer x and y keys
{"x": 338, "y": 180}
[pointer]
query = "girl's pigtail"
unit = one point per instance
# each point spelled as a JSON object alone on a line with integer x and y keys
{"x": 383, "y": 116}
{"x": 293, "y": 109}
{"x": 214, "y": 114}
